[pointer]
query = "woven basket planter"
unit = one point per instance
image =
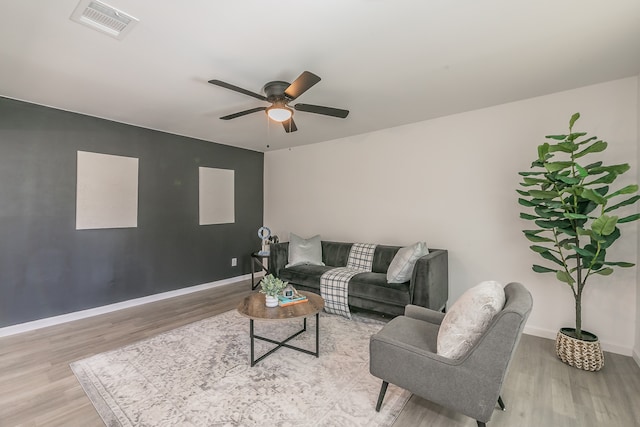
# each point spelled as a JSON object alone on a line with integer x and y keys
{"x": 581, "y": 354}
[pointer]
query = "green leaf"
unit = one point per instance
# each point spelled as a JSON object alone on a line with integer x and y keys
{"x": 543, "y": 151}
{"x": 575, "y": 216}
{"x": 596, "y": 147}
{"x": 584, "y": 252}
{"x": 545, "y": 223}
{"x": 619, "y": 169}
{"x": 629, "y": 218}
{"x": 557, "y": 137}
{"x": 533, "y": 181}
{"x": 573, "y": 120}
{"x": 557, "y": 166}
{"x": 541, "y": 269}
{"x": 528, "y": 216}
{"x": 620, "y": 264}
{"x": 539, "y": 249}
{"x": 522, "y": 193}
{"x": 604, "y": 225}
{"x": 539, "y": 194}
{"x": 569, "y": 179}
{"x": 629, "y": 201}
{"x": 629, "y": 189}
{"x": 527, "y": 203}
{"x": 584, "y": 141}
{"x": 530, "y": 173}
{"x": 583, "y": 172}
{"x": 605, "y": 179}
{"x": 575, "y": 135}
{"x": 549, "y": 256}
{"x": 589, "y": 194}
{"x": 610, "y": 238}
{"x": 563, "y": 276}
{"x": 545, "y": 212}
{"x": 538, "y": 239}
{"x": 564, "y": 146}
{"x": 605, "y": 271}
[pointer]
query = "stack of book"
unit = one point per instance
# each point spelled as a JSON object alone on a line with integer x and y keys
{"x": 296, "y": 299}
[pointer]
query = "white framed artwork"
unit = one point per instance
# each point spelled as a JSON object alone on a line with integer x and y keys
{"x": 216, "y": 196}
{"x": 106, "y": 191}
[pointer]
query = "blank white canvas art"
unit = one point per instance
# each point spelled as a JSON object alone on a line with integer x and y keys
{"x": 216, "y": 192}
{"x": 107, "y": 191}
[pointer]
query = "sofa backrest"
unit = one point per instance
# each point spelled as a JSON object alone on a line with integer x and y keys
{"x": 336, "y": 254}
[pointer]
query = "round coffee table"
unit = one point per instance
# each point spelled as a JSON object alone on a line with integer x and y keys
{"x": 254, "y": 308}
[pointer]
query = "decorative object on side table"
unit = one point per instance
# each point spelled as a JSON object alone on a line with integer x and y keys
{"x": 265, "y": 235}
{"x": 272, "y": 287}
{"x": 575, "y": 226}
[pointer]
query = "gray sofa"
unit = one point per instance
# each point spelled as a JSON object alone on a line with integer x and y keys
{"x": 428, "y": 287}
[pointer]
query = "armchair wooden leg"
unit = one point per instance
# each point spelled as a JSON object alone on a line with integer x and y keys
{"x": 383, "y": 390}
{"x": 501, "y": 403}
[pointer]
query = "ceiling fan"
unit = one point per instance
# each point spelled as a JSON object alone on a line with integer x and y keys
{"x": 279, "y": 94}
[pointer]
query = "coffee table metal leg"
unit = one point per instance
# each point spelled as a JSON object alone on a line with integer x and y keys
{"x": 252, "y": 340}
{"x": 284, "y": 342}
{"x": 317, "y": 334}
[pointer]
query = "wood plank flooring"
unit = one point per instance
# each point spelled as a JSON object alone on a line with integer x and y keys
{"x": 37, "y": 387}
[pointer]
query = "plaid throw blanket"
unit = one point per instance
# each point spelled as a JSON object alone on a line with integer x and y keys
{"x": 334, "y": 284}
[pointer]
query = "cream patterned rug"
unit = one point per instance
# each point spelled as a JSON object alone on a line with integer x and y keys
{"x": 199, "y": 375}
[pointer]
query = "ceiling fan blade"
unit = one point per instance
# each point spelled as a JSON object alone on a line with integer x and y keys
{"x": 242, "y": 113}
{"x": 289, "y": 125}
{"x": 237, "y": 89}
{"x": 318, "y": 109}
{"x": 301, "y": 84}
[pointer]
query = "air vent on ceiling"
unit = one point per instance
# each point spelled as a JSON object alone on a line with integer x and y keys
{"x": 104, "y": 18}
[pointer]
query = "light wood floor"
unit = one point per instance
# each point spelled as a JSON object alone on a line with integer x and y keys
{"x": 37, "y": 387}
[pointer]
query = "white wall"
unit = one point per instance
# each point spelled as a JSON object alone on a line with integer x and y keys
{"x": 636, "y": 352}
{"x": 451, "y": 181}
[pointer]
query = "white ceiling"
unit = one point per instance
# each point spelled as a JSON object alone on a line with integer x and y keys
{"x": 388, "y": 62}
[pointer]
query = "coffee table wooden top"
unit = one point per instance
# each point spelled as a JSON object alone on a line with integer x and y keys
{"x": 254, "y": 307}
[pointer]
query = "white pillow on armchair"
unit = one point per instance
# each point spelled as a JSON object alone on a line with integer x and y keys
{"x": 468, "y": 318}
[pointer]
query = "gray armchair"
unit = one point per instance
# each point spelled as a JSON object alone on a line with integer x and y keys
{"x": 404, "y": 353}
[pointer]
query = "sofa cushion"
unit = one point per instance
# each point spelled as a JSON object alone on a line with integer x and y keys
{"x": 401, "y": 267}
{"x": 374, "y": 286}
{"x": 382, "y": 257}
{"x": 468, "y": 318}
{"x": 335, "y": 254}
{"x": 304, "y": 274}
{"x": 304, "y": 251}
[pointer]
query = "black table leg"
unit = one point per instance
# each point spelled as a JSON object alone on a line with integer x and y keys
{"x": 284, "y": 342}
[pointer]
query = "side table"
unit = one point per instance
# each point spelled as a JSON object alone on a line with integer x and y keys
{"x": 257, "y": 260}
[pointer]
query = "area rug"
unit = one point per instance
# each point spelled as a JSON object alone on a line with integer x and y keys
{"x": 199, "y": 375}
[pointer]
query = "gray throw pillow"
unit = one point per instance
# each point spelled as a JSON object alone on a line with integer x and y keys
{"x": 401, "y": 266}
{"x": 304, "y": 251}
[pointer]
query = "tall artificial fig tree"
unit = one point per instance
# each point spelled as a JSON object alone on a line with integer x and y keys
{"x": 573, "y": 210}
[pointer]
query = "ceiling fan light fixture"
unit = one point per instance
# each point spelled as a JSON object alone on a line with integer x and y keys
{"x": 279, "y": 113}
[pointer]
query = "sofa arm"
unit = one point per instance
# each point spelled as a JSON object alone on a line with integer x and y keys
{"x": 424, "y": 314}
{"x": 429, "y": 284}
{"x": 278, "y": 257}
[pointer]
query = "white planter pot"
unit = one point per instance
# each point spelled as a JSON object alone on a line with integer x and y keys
{"x": 271, "y": 301}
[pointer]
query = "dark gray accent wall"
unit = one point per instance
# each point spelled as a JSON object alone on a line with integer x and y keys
{"x": 48, "y": 268}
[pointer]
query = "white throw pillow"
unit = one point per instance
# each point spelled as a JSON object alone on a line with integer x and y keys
{"x": 401, "y": 266}
{"x": 304, "y": 251}
{"x": 468, "y": 318}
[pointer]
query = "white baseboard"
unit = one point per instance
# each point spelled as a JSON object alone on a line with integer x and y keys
{"x": 77, "y": 315}
{"x": 606, "y": 346}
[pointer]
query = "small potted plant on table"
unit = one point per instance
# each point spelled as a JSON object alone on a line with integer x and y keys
{"x": 271, "y": 286}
